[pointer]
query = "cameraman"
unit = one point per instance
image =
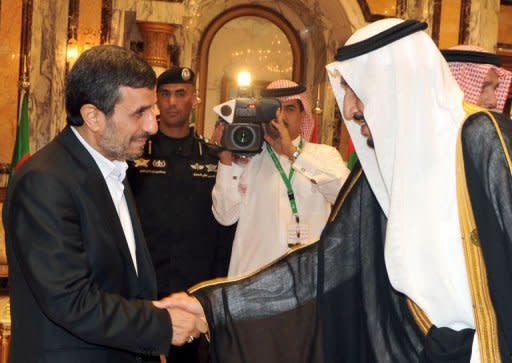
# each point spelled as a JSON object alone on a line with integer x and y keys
{"x": 282, "y": 196}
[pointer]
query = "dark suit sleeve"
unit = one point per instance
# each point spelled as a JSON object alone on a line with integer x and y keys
{"x": 45, "y": 228}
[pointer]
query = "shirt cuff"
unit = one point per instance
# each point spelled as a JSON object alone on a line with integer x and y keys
{"x": 227, "y": 174}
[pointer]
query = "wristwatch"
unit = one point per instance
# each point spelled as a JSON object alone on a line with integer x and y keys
{"x": 295, "y": 154}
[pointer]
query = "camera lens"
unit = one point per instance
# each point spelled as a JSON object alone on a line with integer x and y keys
{"x": 243, "y": 136}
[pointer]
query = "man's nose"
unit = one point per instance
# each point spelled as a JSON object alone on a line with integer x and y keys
{"x": 150, "y": 125}
{"x": 172, "y": 99}
{"x": 358, "y": 118}
{"x": 493, "y": 101}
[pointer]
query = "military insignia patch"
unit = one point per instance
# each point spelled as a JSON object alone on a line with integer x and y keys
{"x": 196, "y": 166}
{"x": 212, "y": 168}
{"x": 159, "y": 163}
{"x": 141, "y": 163}
{"x": 185, "y": 74}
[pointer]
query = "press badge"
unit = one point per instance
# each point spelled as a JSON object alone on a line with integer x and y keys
{"x": 297, "y": 233}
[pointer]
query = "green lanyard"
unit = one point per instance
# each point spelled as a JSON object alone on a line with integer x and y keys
{"x": 286, "y": 179}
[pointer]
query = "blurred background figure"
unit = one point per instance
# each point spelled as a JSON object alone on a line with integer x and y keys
{"x": 480, "y": 76}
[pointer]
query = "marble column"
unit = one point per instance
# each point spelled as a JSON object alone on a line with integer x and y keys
{"x": 483, "y": 24}
{"x": 422, "y": 10}
{"x": 10, "y": 33}
{"x": 47, "y": 70}
{"x": 156, "y": 21}
{"x": 121, "y": 9}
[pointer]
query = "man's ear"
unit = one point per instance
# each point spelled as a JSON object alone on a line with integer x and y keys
{"x": 93, "y": 118}
{"x": 195, "y": 99}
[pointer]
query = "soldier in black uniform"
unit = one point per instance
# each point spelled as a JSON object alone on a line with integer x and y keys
{"x": 172, "y": 184}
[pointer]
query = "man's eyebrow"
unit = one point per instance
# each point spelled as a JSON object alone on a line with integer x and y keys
{"x": 141, "y": 109}
{"x": 489, "y": 83}
{"x": 183, "y": 89}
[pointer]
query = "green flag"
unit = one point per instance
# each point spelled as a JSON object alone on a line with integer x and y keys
{"x": 352, "y": 156}
{"x": 22, "y": 146}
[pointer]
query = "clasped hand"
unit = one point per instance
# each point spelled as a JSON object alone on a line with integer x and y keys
{"x": 187, "y": 317}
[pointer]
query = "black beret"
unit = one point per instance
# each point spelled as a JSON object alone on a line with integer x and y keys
{"x": 177, "y": 75}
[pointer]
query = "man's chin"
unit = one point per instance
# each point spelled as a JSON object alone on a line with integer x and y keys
{"x": 134, "y": 154}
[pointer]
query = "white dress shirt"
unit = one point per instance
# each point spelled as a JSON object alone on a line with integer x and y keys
{"x": 114, "y": 173}
{"x": 256, "y": 197}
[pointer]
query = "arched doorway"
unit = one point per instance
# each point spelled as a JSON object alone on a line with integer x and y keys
{"x": 252, "y": 15}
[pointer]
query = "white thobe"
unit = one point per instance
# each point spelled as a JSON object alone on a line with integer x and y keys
{"x": 255, "y": 196}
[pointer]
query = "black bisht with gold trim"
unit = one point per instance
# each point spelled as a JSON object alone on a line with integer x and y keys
{"x": 332, "y": 301}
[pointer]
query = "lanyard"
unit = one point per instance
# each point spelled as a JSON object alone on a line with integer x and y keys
{"x": 286, "y": 179}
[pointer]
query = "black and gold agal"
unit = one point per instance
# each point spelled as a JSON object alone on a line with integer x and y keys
{"x": 380, "y": 40}
{"x": 283, "y": 92}
{"x": 470, "y": 56}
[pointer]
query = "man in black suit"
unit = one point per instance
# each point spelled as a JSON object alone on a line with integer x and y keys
{"x": 81, "y": 276}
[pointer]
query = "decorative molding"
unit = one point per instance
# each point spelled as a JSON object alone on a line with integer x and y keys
{"x": 160, "y": 11}
{"x": 368, "y": 16}
{"x": 156, "y": 41}
{"x": 235, "y": 12}
{"x": 436, "y": 21}
{"x": 106, "y": 21}
{"x": 506, "y": 46}
{"x": 465, "y": 14}
{"x": 401, "y": 8}
{"x": 506, "y": 59}
{"x": 26, "y": 34}
{"x": 73, "y": 14}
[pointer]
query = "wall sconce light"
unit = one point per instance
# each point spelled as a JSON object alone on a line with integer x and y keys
{"x": 79, "y": 42}
{"x": 72, "y": 51}
{"x": 244, "y": 79}
{"x": 244, "y": 84}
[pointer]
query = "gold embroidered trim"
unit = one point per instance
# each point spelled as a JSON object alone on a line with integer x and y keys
{"x": 420, "y": 317}
{"x": 338, "y": 206}
{"x": 483, "y": 309}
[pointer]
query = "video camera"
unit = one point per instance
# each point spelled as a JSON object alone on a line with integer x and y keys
{"x": 247, "y": 120}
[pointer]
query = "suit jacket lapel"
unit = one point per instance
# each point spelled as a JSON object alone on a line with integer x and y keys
{"x": 95, "y": 183}
{"x": 146, "y": 273}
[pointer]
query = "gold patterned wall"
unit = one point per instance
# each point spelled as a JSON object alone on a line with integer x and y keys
{"x": 450, "y": 21}
{"x": 505, "y": 27}
{"x": 89, "y": 23}
{"x": 382, "y": 7}
{"x": 10, "y": 34}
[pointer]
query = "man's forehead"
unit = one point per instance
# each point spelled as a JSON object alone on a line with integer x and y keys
{"x": 126, "y": 92}
{"x": 492, "y": 75}
{"x": 133, "y": 98}
{"x": 175, "y": 86}
{"x": 293, "y": 102}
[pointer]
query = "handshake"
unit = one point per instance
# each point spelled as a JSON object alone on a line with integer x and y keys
{"x": 187, "y": 317}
